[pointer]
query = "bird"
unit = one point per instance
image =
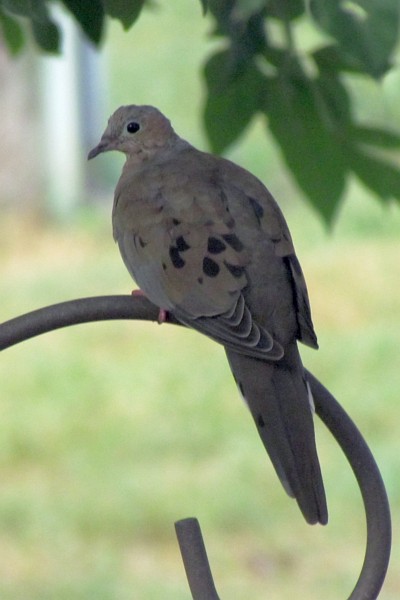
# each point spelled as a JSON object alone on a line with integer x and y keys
{"x": 205, "y": 240}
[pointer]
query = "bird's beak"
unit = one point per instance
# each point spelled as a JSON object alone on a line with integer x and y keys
{"x": 104, "y": 145}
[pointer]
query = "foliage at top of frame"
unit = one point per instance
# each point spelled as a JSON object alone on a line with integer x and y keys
{"x": 264, "y": 68}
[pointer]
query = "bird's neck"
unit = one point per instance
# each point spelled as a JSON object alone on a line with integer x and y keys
{"x": 155, "y": 155}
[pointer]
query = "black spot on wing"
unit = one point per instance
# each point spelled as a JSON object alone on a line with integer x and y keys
{"x": 233, "y": 241}
{"x": 229, "y": 221}
{"x": 176, "y": 258}
{"x": 176, "y": 221}
{"x": 215, "y": 245}
{"x": 235, "y": 270}
{"x": 260, "y": 421}
{"x": 181, "y": 244}
{"x": 257, "y": 208}
{"x": 210, "y": 267}
{"x": 139, "y": 241}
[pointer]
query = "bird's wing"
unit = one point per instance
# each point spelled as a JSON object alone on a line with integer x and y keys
{"x": 201, "y": 226}
{"x": 188, "y": 258}
{"x": 267, "y": 216}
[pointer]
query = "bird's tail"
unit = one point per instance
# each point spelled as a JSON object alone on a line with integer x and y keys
{"x": 280, "y": 401}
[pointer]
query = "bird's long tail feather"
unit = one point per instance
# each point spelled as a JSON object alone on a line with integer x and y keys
{"x": 278, "y": 397}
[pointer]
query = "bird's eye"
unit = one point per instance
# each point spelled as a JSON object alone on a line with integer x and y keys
{"x": 132, "y": 127}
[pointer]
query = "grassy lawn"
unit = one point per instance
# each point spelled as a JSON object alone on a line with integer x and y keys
{"x": 110, "y": 432}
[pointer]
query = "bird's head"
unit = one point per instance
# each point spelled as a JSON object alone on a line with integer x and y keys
{"x": 135, "y": 130}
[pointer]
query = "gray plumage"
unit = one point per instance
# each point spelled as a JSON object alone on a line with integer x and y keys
{"x": 204, "y": 239}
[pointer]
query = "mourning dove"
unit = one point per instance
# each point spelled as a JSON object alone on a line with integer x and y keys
{"x": 205, "y": 240}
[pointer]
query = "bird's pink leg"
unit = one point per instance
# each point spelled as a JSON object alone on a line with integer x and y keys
{"x": 162, "y": 315}
{"x": 138, "y": 293}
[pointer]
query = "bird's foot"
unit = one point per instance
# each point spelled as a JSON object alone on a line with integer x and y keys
{"x": 138, "y": 293}
{"x": 162, "y": 315}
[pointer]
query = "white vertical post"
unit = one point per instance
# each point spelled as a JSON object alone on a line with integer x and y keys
{"x": 68, "y": 84}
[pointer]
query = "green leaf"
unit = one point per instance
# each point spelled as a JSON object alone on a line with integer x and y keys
{"x": 244, "y": 9}
{"x": 329, "y": 59}
{"x": 375, "y": 136}
{"x": 301, "y": 121}
{"x": 221, "y": 11}
{"x": 366, "y": 30}
{"x": 90, "y": 16}
{"x": 23, "y": 8}
{"x": 285, "y": 10}
{"x": 231, "y": 101}
{"x": 231, "y": 13}
{"x": 332, "y": 102}
{"x": 380, "y": 177}
{"x": 245, "y": 29}
{"x": 12, "y": 33}
{"x": 46, "y": 35}
{"x": 45, "y": 31}
{"x": 33, "y": 9}
{"x": 125, "y": 11}
{"x": 204, "y": 4}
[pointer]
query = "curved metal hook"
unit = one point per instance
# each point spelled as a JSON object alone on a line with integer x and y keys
{"x": 376, "y": 504}
{"x": 374, "y": 496}
{"x": 328, "y": 409}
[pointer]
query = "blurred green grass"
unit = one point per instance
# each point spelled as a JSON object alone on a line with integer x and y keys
{"x": 110, "y": 432}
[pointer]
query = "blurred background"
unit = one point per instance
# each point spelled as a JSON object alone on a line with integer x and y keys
{"x": 110, "y": 432}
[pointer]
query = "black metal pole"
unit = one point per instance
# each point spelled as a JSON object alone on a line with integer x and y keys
{"x": 195, "y": 560}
